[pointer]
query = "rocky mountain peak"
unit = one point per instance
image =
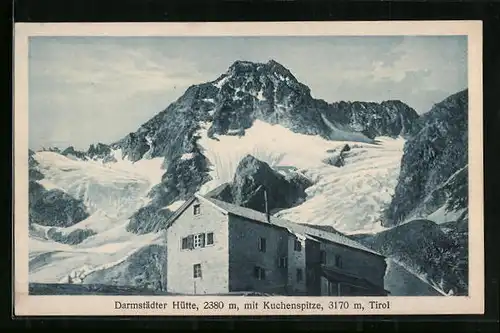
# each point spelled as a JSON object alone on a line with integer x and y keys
{"x": 252, "y": 77}
{"x": 253, "y": 177}
{"x": 251, "y": 165}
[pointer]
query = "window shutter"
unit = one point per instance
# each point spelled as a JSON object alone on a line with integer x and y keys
{"x": 210, "y": 238}
{"x": 191, "y": 242}
{"x": 202, "y": 240}
{"x": 184, "y": 243}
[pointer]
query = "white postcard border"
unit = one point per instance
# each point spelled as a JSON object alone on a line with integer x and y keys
{"x": 34, "y": 305}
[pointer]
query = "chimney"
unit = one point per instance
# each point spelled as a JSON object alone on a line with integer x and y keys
{"x": 268, "y": 216}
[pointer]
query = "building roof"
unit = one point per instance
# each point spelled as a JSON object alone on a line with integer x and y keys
{"x": 179, "y": 211}
{"x": 292, "y": 227}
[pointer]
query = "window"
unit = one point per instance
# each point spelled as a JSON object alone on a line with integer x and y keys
{"x": 300, "y": 276}
{"x": 197, "y": 271}
{"x": 259, "y": 273}
{"x": 283, "y": 262}
{"x": 196, "y": 209}
{"x": 196, "y": 241}
{"x": 262, "y": 244}
{"x": 322, "y": 257}
{"x": 187, "y": 242}
{"x": 297, "y": 246}
{"x": 199, "y": 240}
{"x": 210, "y": 238}
{"x": 338, "y": 261}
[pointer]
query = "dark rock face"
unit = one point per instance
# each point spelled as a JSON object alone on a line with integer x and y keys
{"x": 337, "y": 158}
{"x": 99, "y": 150}
{"x": 148, "y": 219}
{"x": 253, "y": 177}
{"x": 389, "y": 118}
{"x": 55, "y": 207}
{"x": 33, "y": 173}
{"x": 75, "y": 237}
{"x": 423, "y": 247}
{"x": 51, "y": 207}
{"x": 433, "y": 167}
{"x": 70, "y": 151}
{"x": 182, "y": 178}
{"x": 136, "y": 147}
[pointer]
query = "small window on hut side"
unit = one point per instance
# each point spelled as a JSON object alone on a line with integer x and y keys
{"x": 262, "y": 244}
{"x": 197, "y": 271}
{"x": 283, "y": 262}
{"x": 196, "y": 209}
{"x": 210, "y": 238}
{"x": 259, "y": 273}
{"x": 297, "y": 246}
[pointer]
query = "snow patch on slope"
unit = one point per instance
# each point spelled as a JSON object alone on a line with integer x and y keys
{"x": 116, "y": 188}
{"x": 51, "y": 262}
{"x": 150, "y": 169}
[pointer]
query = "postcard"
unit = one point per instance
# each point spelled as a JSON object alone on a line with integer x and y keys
{"x": 243, "y": 169}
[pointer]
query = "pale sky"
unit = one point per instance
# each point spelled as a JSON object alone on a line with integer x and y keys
{"x": 85, "y": 90}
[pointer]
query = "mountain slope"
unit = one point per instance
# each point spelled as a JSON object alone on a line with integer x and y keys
{"x": 426, "y": 250}
{"x": 433, "y": 164}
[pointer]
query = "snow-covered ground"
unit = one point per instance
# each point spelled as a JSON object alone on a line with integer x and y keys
{"x": 117, "y": 189}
